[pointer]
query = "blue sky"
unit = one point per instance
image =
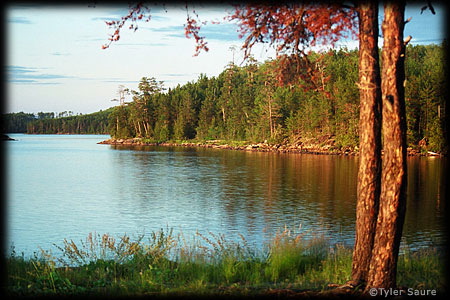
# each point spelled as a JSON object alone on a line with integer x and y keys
{"x": 55, "y": 61}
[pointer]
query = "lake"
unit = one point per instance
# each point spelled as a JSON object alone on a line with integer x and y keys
{"x": 67, "y": 186}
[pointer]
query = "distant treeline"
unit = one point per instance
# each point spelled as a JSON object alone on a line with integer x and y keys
{"x": 245, "y": 103}
{"x": 51, "y": 123}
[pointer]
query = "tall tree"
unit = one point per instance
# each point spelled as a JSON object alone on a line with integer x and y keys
{"x": 142, "y": 107}
{"x": 266, "y": 101}
{"x": 369, "y": 173}
{"x": 383, "y": 265}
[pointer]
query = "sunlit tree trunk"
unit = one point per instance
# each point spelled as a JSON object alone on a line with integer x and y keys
{"x": 117, "y": 125}
{"x": 146, "y": 129}
{"x": 272, "y": 130}
{"x": 269, "y": 108}
{"x": 391, "y": 215}
{"x": 369, "y": 174}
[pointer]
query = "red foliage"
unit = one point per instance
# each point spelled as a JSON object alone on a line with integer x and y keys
{"x": 136, "y": 12}
{"x": 192, "y": 29}
{"x": 292, "y": 28}
{"x": 288, "y": 26}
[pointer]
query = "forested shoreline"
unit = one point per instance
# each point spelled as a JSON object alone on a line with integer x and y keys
{"x": 247, "y": 103}
{"x": 61, "y": 123}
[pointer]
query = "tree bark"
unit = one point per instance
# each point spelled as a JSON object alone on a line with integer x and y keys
{"x": 369, "y": 174}
{"x": 391, "y": 215}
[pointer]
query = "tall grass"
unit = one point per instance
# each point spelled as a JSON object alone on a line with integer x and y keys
{"x": 163, "y": 263}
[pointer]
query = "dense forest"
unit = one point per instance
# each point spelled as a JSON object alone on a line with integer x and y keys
{"x": 51, "y": 123}
{"x": 16, "y": 122}
{"x": 246, "y": 103}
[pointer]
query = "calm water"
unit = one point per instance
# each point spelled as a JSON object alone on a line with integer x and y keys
{"x": 67, "y": 186}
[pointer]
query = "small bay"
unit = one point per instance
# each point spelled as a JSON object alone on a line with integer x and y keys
{"x": 67, "y": 186}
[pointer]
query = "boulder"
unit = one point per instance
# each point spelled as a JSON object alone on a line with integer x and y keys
{"x": 4, "y": 137}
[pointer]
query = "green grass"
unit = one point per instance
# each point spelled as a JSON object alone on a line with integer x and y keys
{"x": 168, "y": 264}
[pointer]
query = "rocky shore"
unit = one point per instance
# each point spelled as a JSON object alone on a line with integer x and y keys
{"x": 324, "y": 145}
{"x": 318, "y": 146}
{"x": 4, "y": 137}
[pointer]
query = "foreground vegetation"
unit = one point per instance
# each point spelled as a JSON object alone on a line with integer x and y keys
{"x": 165, "y": 264}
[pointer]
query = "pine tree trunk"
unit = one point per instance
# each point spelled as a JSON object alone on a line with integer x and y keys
{"x": 369, "y": 185}
{"x": 391, "y": 215}
{"x": 269, "y": 102}
{"x": 223, "y": 115}
{"x": 117, "y": 125}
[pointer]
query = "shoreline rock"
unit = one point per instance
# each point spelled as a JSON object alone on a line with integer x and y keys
{"x": 4, "y": 137}
{"x": 323, "y": 148}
